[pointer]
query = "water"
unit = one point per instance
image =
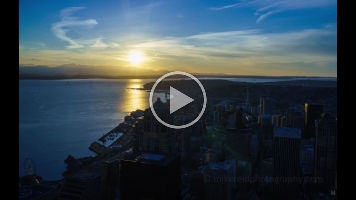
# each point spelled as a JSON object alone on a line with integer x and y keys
{"x": 58, "y": 118}
{"x": 62, "y": 117}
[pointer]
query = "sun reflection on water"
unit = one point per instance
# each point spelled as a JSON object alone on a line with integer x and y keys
{"x": 134, "y": 99}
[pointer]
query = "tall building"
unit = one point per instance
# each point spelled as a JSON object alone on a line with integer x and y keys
{"x": 154, "y": 136}
{"x": 82, "y": 185}
{"x": 326, "y": 150}
{"x": 183, "y": 135}
{"x": 254, "y": 111}
{"x": 238, "y": 114}
{"x": 279, "y": 120}
{"x": 261, "y": 106}
{"x": 237, "y": 137}
{"x": 268, "y": 106}
{"x": 151, "y": 176}
{"x": 266, "y": 127}
{"x": 274, "y": 120}
{"x": 312, "y": 112}
{"x": 231, "y": 121}
{"x": 286, "y": 163}
{"x": 282, "y": 121}
{"x": 289, "y": 117}
{"x": 237, "y": 142}
{"x": 219, "y": 180}
{"x": 307, "y": 157}
{"x": 267, "y": 171}
{"x": 298, "y": 122}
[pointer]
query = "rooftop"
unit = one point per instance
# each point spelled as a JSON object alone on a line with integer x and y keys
{"x": 219, "y": 166}
{"x": 265, "y": 116}
{"x": 153, "y": 157}
{"x": 287, "y": 132}
{"x": 84, "y": 175}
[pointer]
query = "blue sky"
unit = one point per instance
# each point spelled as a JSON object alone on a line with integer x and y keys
{"x": 248, "y": 37}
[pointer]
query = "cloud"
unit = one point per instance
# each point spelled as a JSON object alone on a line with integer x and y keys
{"x": 236, "y": 5}
{"x": 67, "y": 21}
{"x": 101, "y": 45}
{"x": 265, "y": 16}
{"x": 246, "y": 45}
{"x": 268, "y": 8}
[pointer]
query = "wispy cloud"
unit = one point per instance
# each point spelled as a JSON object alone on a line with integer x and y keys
{"x": 268, "y": 8}
{"x": 248, "y": 45}
{"x": 37, "y": 44}
{"x": 236, "y": 5}
{"x": 265, "y": 16}
{"x": 67, "y": 20}
{"x": 101, "y": 45}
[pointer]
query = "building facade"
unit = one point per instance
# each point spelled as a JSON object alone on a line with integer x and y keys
{"x": 326, "y": 150}
{"x": 286, "y": 163}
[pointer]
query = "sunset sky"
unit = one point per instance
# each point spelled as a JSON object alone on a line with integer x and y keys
{"x": 246, "y": 37}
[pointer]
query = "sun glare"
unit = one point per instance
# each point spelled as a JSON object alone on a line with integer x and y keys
{"x": 135, "y": 57}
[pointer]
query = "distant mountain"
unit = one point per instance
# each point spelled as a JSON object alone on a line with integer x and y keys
{"x": 74, "y": 71}
{"x": 84, "y": 71}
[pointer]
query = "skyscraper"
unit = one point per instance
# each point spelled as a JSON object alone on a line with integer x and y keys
{"x": 289, "y": 117}
{"x": 217, "y": 178}
{"x": 326, "y": 150}
{"x": 151, "y": 176}
{"x": 154, "y": 171}
{"x": 261, "y": 106}
{"x": 266, "y": 128}
{"x": 82, "y": 185}
{"x": 286, "y": 163}
{"x": 312, "y": 112}
{"x": 156, "y": 137}
{"x": 268, "y": 106}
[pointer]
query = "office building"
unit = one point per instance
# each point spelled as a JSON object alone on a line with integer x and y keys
{"x": 266, "y": 128}
{"x": 237, "y": 142}
{"x": 312, "y": 112}
{"x": 154, "y": 136}
{"x": 182, "y": 135}
{"x": 151, "y": 176}
{"x": 219, "y": 180}
{"x": 289, "y": 117}
{"x": 267, "y": 172}
{"x": 274, "y": 120}
{"x": 326, "y": 150}
{"x": 261, "y": 106}
{"x": 237, "y": 137}
{"x": 307, "y": 157}
{"x": 82, "y": 185}
{"x": 268, "y": 106}
{"x": 286, "y": 163}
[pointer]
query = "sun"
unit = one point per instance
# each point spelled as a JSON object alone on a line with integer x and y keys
{"x": 135, "y": 57}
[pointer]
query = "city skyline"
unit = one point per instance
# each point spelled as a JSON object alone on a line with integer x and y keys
{"x": 272, "y": 38}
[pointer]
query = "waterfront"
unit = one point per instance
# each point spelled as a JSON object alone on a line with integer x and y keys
{"x": 58, "y": 118}
{"x": 62, "y": 117}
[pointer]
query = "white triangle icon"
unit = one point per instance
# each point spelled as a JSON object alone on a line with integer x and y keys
{"x": 177, "y": 100}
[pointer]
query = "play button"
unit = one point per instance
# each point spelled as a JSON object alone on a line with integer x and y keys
{"x": 177, "y": 100}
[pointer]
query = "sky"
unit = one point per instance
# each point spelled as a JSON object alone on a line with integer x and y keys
{"x": 236, "y": 37}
